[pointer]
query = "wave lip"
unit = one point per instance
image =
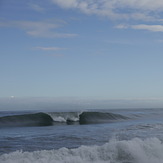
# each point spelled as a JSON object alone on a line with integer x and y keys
{"x": 37, "y": 119}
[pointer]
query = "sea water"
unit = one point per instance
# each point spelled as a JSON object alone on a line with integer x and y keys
{"x": 99, "y": 136}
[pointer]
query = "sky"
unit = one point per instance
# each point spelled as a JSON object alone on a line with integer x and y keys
{"x": 82, "y": 49}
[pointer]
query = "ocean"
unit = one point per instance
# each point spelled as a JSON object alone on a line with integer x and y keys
{"x": 85, "y": 136}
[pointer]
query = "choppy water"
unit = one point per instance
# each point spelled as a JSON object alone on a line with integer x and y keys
{"x": 112, "y": 136}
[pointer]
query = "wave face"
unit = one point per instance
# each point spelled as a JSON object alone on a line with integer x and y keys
{"x": 132, "y": 151}
{"x": 38, "y": 119}
{"x": 99, "y": 117}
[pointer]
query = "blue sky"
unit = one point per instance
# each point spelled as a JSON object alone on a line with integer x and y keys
{"x": 82, "y": 48}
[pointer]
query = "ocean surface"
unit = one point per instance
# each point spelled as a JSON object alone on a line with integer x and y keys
{"x": 86, "y": 136}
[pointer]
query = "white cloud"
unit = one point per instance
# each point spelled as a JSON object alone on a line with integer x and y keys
{"x": 56, "y": 55}
{"x": 48, "y": 48}
{"x": 116, "y": 9}
{"x": 160, "y": 41}
{"x": 36, "y": 7}
{"x": 152, "y": 28}
{"x": 46, "y": 28}
{"x": 122, "y": 26}
{"x": 67, "y": 3}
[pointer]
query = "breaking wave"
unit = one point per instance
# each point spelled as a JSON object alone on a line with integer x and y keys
{"x": 86, "y": 117}
{"x": 53, "y": 118}
{"x": 131, "y": 151}
{"x": 65, "y": 116}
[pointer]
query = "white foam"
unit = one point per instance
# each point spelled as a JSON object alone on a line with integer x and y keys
{"x": 59, "y": 119}
{"x": 132, "y": 151}
{"x": 64, "y": 116}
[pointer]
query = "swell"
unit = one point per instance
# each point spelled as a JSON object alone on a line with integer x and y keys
{"x": 37, "y": 119}
{"x": 56, "y": 118}
{"x": 99, "y": 117}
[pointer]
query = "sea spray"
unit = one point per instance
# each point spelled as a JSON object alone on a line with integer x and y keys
{"x": 132, "y": 151}
{"x": 65, "y": 116}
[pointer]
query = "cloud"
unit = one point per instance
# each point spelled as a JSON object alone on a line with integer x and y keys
{"x": 48, "y": 48}
{"x": 67, "y": 4}
{"x": 36, "y": 8}
{"x": 122, "y": 26}
{"x": 45, "y": 28}
{"x": 116, "y": 9}
{"x": 160, "y": 41}
{"x": 152, "y": 28}
{"x": 56, "y": 55}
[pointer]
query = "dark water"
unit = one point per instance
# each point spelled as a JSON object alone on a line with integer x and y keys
{"x": 114, "y": 136}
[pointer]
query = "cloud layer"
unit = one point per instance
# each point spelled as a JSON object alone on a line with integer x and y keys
{"x": 149, "y": 12}
{"x": 45, "y": 28}
{"x": 48, "y": 48}
{"x": 153, "y": 28}
{"x": 36, "y": 8}
{"x": 119, "y": 9}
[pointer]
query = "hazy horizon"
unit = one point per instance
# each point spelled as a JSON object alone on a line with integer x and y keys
{"x": 74, "y": 103}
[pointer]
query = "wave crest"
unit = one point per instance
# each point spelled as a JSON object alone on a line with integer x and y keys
{"x": 85, "y": 117}
{"x": 65, "y": 116}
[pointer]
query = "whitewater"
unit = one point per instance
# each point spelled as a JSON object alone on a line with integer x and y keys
{"x": 99, "y": 136}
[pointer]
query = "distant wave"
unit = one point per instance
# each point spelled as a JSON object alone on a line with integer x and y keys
{"x": 85, "y": 117}
{"x": 99, "y": 117}
{"x": 53, "y": 118}
{"x": 131, "y": 151}
{"x": 37, "y": 119}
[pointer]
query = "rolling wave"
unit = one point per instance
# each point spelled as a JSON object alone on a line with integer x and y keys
{"x": 53, "y": 118}
{"x": 37, "y": 119}
{"x": 99, "y": 117}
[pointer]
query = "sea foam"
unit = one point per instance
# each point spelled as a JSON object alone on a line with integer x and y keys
{"x": 127, "y": 151}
